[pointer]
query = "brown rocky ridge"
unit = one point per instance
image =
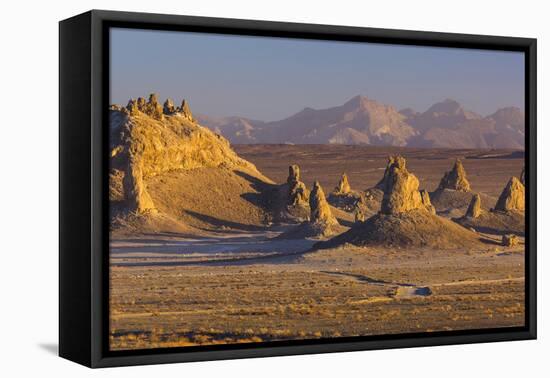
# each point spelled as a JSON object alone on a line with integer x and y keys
{"x": 152, "y": 146}
{"x": 405, "y": 220}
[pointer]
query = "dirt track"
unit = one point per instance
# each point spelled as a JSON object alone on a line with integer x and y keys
{"x": 179, "y": 298}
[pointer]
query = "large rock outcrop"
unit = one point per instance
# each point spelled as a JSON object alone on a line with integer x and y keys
{"x": 319, "y": 207}
{"x": 512, "y": 197}
{"x": 455, "y": 179}
{"x": 398, "y": 161}
{"x": 298, "y": 195}
{"x": 185, "y": 111}
{"x": 152, "y": 107}
{"x": 321, "y": 223}
{"x": 401, "y": 192}
{"x": 474, "y": 209}
{"x": 148, "y": 140}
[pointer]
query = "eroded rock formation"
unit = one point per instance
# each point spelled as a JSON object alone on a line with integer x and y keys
{"x": 153, "y": 109}
{"x": 398, "y": 161}
{"x": 491, "y": 222}
{"x": 137, "y": 197}
{"x": 319, "y": 207}
{"x": 425, "y": 196}
{"x": 474, "y": 209}
{"x": 146, "y": 143}
{"x": 359, "y": 215}
{"x": 297, "y": 190}
{"x": 185, "y": 111}
{"x": 512, "y": 197}
{"x": 169, "y": 107}
{"x": 401, "y": 190}
{"x": 455, "y": 179}
{"x": 343, "y": 186}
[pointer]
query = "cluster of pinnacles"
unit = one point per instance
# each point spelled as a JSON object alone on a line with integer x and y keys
{"x": 402, "y": 194}
{"x": 154, "y": 109}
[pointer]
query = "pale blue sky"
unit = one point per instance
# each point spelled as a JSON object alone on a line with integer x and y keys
{"x": 272, "y": 78}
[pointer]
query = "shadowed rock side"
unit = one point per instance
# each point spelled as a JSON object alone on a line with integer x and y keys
{"x": 151, "y": 143}
{"x": 405, "y": 220}
{"x": 425, "y": 196}
{"x": 453, "y": 203}
{"x": 498, "y": 221}
{"x": 522, "y": 176}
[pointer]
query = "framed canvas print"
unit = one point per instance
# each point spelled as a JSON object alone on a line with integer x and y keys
{"x": 233, "y": 188}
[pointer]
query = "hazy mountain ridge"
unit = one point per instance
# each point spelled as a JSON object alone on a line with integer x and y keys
{"x": 361, "y": 120}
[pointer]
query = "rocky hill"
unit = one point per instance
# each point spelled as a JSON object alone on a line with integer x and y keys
{"x": 362, "y": 120}
{"x": 166, "y": 171}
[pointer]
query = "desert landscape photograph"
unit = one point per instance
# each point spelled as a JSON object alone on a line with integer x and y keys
{"x": 270, "y": 189}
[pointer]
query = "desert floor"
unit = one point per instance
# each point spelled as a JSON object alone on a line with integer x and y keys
{"x": 240, "y": 286}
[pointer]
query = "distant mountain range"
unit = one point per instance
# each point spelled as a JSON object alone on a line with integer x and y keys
{"x": 362, "y": 120}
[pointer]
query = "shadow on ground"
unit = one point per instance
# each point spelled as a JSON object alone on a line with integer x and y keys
{"x": 51, "y": 348}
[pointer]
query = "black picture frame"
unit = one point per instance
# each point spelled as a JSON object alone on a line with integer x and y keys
{"x": 83, "y": 198}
